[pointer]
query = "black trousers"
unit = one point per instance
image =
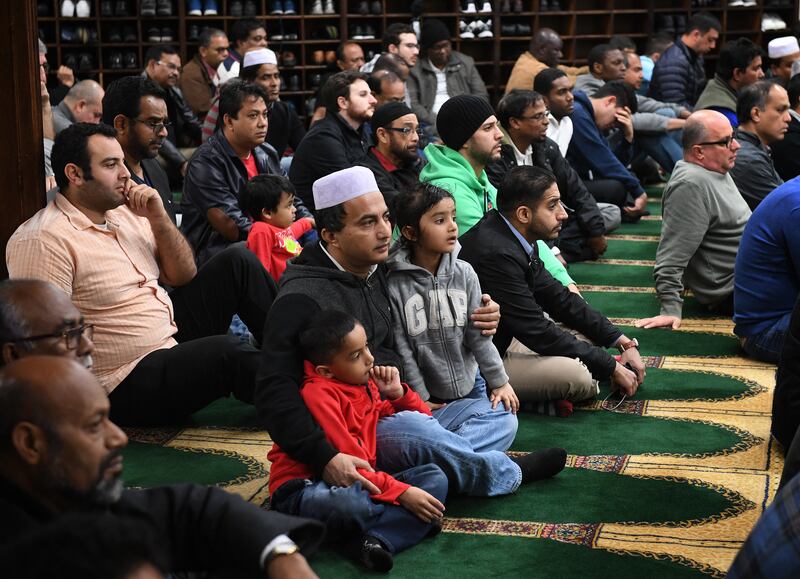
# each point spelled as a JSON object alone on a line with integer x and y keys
{"x": 168, "y": 385}
{"x": 607, "y": 191}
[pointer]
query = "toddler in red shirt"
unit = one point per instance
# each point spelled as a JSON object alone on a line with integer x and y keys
{"x": 269, "y": 201}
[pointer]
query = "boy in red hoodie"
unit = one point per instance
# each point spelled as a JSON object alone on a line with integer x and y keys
{"x": 269, "y": 201}
{"x": 347, "y": 395}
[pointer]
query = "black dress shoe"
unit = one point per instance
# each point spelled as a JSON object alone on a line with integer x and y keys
{"x": 114, "y": 34}
{"x": 86, "y": 62}
{"x": 294, "y": 83}
{"x": 236, "y": 8}
{"x": 121, "y": 8}
{"x": 250, "y": 8}
{"x": 193, "y": 33}
{"x": 43, "y": 9}
{"x": 129, "y": 59}
{"x": 129, "y": 34}
{"x": 115, "y": 60}
{"x": 315, "y": 80}
{"x": 70, "y": 61}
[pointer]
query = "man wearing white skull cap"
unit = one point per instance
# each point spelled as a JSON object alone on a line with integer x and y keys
{"x": 783, "y": 52}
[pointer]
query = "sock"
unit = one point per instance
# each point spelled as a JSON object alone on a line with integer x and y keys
{"x": 560, "y": 408}
{"x": 541, "y": 464}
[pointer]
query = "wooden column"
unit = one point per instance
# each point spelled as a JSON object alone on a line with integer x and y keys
{"x": 22, "y": 157}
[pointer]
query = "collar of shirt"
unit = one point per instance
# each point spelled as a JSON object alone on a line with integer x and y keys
{"x": 78, "y": 219}
{"x": 385, "y": 163}
{"x": 523, "y": 242}
{"x": 525, "y": 158}
{"x": 372, "y": 269}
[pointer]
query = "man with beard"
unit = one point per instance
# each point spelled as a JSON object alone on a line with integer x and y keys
{"x": 137, "y": 108}
{"x": 36, "y": 318}
{"x": 60, "y": 453}
{"x": 545, "y": 51}
{"x": 337, "y": 141}
{"x": 524, "y": 117}
{"x": 395, "y": 158}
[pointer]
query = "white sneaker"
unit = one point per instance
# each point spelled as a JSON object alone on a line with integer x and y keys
{"x": 470, "y": 9}
{"x": 485, "y": 29}
{"x": 329, "y": 9}
{"x": 67, "y": 9}
{"x": 735, "y": 3}
{"x": 82, "y": 9}
{"x": 465, "y": 30}
{"x": 316, "y": 7}
{"x": 486, "y": 8}
{"x": 749, "y": 3}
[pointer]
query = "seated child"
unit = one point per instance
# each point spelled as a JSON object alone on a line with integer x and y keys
{"x": 269, "y": 201}
{"x": 347, "y": 395}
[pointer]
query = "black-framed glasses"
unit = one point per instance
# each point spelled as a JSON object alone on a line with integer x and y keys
{"x": 726, "y": 142}
{"x": 222, "y": 49}
{"x": 155, "y": 126}
{"x": 171, "y": 65}
{"x": 71, "y": 336}
{"x": 405, "y": 130}
{"x": 537, "y": 117}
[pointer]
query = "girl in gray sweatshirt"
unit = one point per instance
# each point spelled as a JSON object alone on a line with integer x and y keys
{"x": 431, "y": 294}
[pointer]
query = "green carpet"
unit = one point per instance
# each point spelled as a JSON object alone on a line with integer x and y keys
{"x": 618, "y": 275}
{"x": 631, "y": 249}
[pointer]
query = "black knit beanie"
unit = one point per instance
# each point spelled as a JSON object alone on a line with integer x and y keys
{"x": 385, "y": 114}
{"x": 460, "y": 117}
{"x": 433, "y": 31}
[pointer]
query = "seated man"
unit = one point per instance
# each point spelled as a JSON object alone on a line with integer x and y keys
{"x": 543, "y": 361}
{"x": 82, "y": 104}
{"x": 246, "y": 34}
{"x": 739, "y": 66}
{"x": 337, "y": 141}
{"x": 601, "y": 167}
{"x": 346, "y": 271}
{"x": 783, "y": 53}
{"x": 137, "y": 108}
{"x": 50, "y": 467}
{"x": 109, "y": 244}
{"x": 763, "y": 110}
{"x": 554, "y": 86}
{"x": 703, "y": 220}
{"x": 212, "y": 218}
{"x": 199, "y": 79}
{"x": 394, "y": 160}
{"x": 349, "y": 56}
{"x": 471, "y": 142}
{"x": 441, "y": 73}
{"x": 784, "y": 152}
{"x": 399, "y": 39}
{"x": 545, "y": 51}
{"x": 523, "y": 115}
{"x": 767, "y": 274}
{"x": 656, "y": 45}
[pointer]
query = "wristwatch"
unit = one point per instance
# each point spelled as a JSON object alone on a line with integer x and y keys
{"x": 634, "y": 343}
{"x": 281, "y": 549}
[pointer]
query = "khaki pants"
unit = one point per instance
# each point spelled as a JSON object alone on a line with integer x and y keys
{"x": 538, "y": 378}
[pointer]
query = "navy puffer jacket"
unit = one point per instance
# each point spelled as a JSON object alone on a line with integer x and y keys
{"x": 679, "y": 76}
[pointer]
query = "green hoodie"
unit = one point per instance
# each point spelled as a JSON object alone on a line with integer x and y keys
{"x": 474, "y": 196}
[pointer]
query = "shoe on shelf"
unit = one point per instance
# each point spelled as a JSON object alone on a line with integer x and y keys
{"x": 484, "y": 28}
{"x": 290, "y": 36}
{"x": 154, "y": 34}
{"x": 114, "y": 60}
{"x": 82, "y": 9}
{"x": 193, "y": 33}
{"x": 129, "y": 59}
{"x": 195, "y": 8}
{"x": 465, "y": 30}
{"x": 357, "y": 32}
{"x": 276, "y": 7}
{"x": 86, "y": 62}
{"x": 665, "y": 23}
{"x": 250, "y": 8}
{"x": 316, "y": 79}
{"x": 129, "y": 34}
{"x": 363, "y": 8}
{"x": 70, "y": 61}
{"x": 330, "y": 57}
{"x": 332, "y": 33}
{"x": 147, "y": 7}
{"x": 294, "y": 83}
{"x": 106, "y": 8}
{"x": 236, "y": 8}
{"x": 316, "y": 7}
{"x": 164, "y": 8}
{"x": 555, "y": 6}
{"x": 114, "y": 34}
{"x": 369, "y": 33}
{"x": 508, "y": 30}
{"x": 43, "y": 8}
{"x": 121, "y": 8}
{"x": 318, "y": 57}
{"x": 288, "y": 58}
{"x": 376, "y": 7}
{"x": 166, "y": 34}
{"x": 523, "y": 29}
{"x": 329, "y": 7}
{"x": 67, "y": 9}
{"x": 517, "y": 6}
{"x": 289, "y": 7}
{"x": 470, "y": 8}
{"x": 544, "y": 6}
{"x": 486, "y": 8}
{"x": 735, "y": 3}
{"x": 210, "y": 8}
{"x": 505, "y": 6}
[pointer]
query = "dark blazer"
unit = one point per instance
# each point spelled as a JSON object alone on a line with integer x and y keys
{"x": 200, "y": 527}
{"x": 784, "y": 153}
{"x": 525, "y": 290}
{"x": 158, "y": 177}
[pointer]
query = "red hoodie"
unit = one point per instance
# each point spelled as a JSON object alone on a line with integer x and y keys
{"x": 349, "y": 416}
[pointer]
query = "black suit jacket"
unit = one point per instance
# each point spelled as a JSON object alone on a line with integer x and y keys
{"x": 525, "y": 290}
{"x": 200, "y": 527}
{"x": 158, "y": 177}
{"x": 784, "y": 153}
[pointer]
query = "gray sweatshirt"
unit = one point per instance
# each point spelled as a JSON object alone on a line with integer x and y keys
{"x": 703, "y": 220}
{"x": 441, "y": 349}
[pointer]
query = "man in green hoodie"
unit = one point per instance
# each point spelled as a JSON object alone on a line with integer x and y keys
{"x": 472, "y": 139}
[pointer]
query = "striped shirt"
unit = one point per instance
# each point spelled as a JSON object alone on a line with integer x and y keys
{"x": 111, "y": 274}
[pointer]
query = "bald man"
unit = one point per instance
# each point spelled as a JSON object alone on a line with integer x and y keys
{"x": 37, "y": 318}
{"x": 60, "y": 453}
{"x": 703, "y": 219}
{"x": 545, "y": 51}
{"x": 83, "y": 104}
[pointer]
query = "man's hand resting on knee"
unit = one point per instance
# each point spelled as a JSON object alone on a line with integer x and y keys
{"x": 341, "y": 472}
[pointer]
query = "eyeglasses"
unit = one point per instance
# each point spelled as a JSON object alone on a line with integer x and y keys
{"x": 155, "y": 126}
{"x": 536, "y": 117}
{"x": 726, "y": 142}
{"x": 221, "y": 49}
{"x": 405, "y": 130}
{"x": 170, "y": 65}
{"x": 410, "y": 45}
{"x": 71, "y": 336}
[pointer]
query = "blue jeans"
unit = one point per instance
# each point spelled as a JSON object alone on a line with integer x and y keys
{"x": 665, "y": 149}
{"x": 767, "y": 344}
{"x": 350, "y": 512}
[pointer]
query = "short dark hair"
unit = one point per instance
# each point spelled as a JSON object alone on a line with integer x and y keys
{"x": 207, "y": 34}
{"x": 241, "y": 29}
{"x": 694, "y": 133}
{"x": 72, "y": 146}
{"x": 793, "y": 88}
{"x": 322, "y": 338}
{"x": 155, "y": 52}
{"x": 597, "y": 54}
{"x": 543, "y": 82}
{"x": 13, "y": 324}
{"x": 523, "y": 185}
{"x": 754, "y": 95}
{"x": 124, "y": 97}
{"x": 263, "y": 192}
{"x": 703, "y": 22}
{"x": 342, "y": 45}
{"x": 626, "y": 96}
{"x": 391, "y": 36}
{"x": 233, "y": 95}
{"x": 330, "y": 218}
{"x": 622, "y": 42}
{"x": 90, "y": 546}
{"x": 388, "y": 62}
{"x": 250, "y": 73}
{"x": 338, "y": 85}
{"x": 735, "y": 54}
{"x": 658, "y": 42}
{"x": 412, "y": 204}
{"x": 375, "y": 82}
{"x": 513, "y": 105}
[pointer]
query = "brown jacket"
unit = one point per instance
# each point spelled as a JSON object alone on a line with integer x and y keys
{"x": 197, "y": 86}
{"x": 528, "y": 66}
